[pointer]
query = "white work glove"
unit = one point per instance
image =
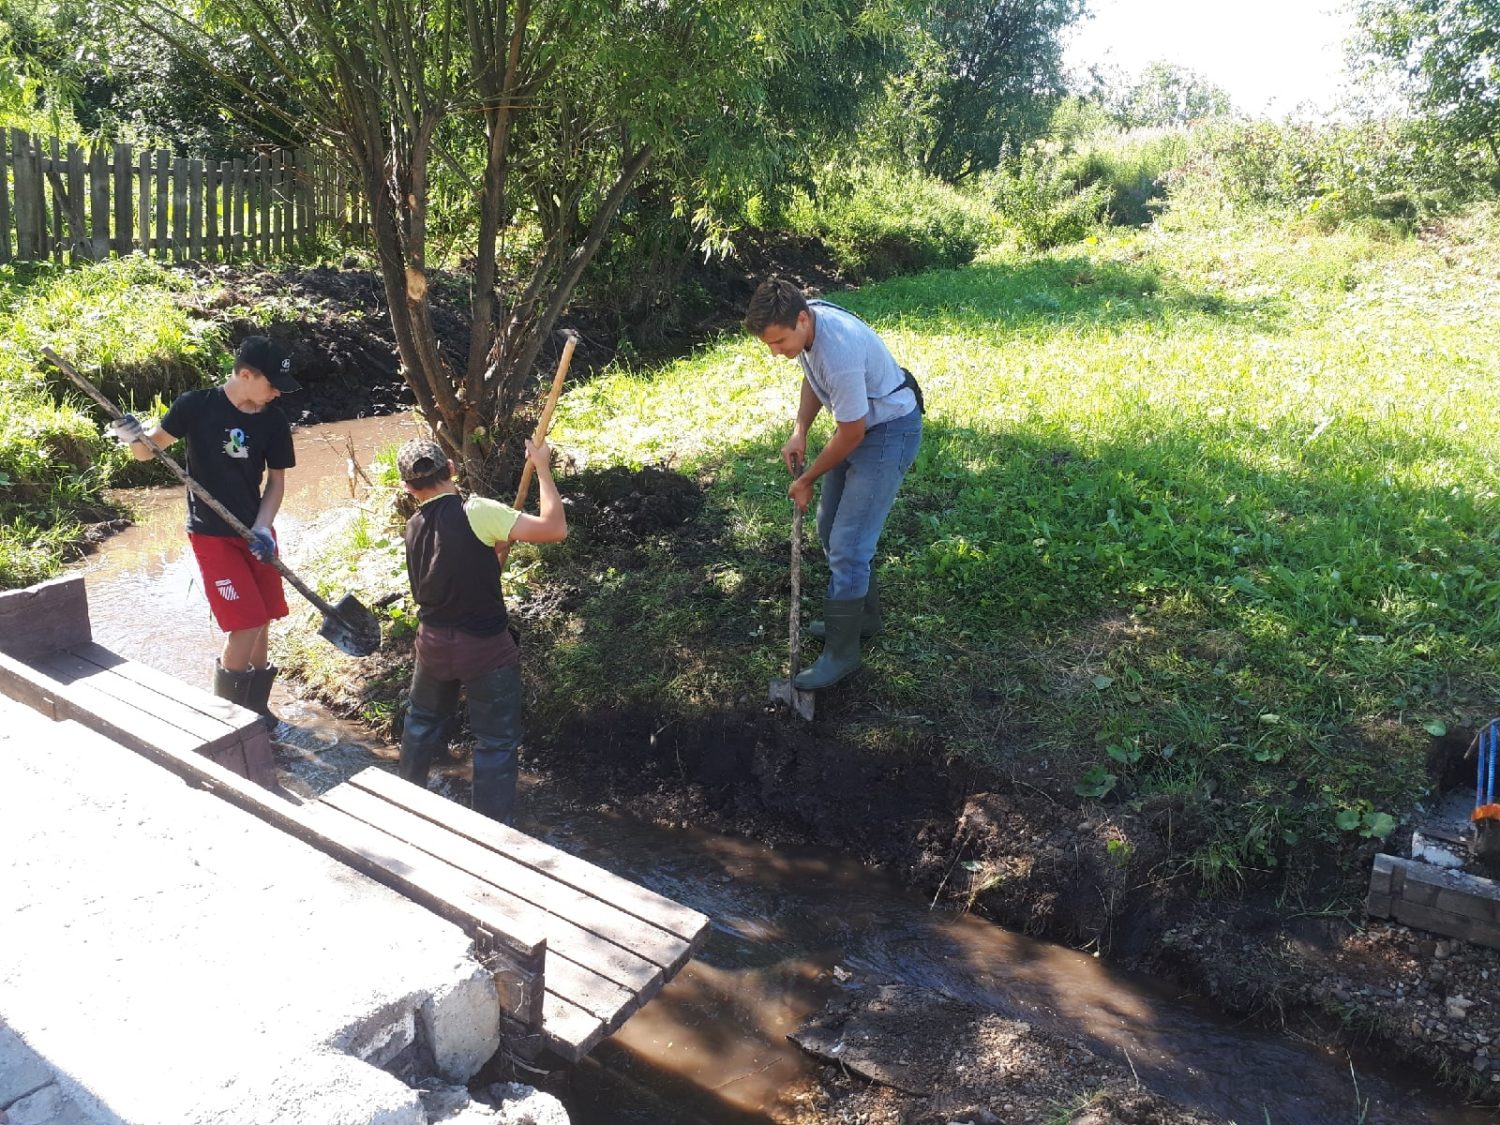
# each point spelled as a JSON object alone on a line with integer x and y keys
{"x": 126, "y": 430}
{"x": 262, "y": 544}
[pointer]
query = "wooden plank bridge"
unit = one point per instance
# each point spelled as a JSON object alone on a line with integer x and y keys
{"x": 574, "y": 949}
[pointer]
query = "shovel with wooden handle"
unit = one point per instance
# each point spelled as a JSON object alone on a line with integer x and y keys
{"x": 347, "y": 625}
{"x": 544, "y": 423}
{"x": 786, "y": 691}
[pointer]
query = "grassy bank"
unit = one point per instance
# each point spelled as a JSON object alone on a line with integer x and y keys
{"x": 1203, "y": 513}
{"x": 120, "y": 320}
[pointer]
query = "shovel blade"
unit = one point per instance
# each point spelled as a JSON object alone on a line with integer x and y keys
{"x": 351, "y": 628}
{"x": 799, "y": 701}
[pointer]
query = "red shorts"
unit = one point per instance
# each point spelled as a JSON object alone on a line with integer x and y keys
{"x": 243, "y": 593}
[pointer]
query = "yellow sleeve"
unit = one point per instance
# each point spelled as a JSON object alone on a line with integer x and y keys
{"x": 490, "y": 519}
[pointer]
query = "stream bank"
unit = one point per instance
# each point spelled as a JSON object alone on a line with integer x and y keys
{"x": 1019, "y": 847}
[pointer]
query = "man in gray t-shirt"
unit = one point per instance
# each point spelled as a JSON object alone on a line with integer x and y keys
{"x": 876, "y": 408}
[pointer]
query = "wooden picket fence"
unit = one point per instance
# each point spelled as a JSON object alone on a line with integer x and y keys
{"x": 61, "y": 202}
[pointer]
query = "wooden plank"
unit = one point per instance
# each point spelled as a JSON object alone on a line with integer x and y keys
{"x": 25, "y": 196}
{"x": 568, "y": 1030}
{"x": 20, "y": 682}
{"x": 231, "y": 715}
{"x": 263, "y": 204}
{"x": 78, "y": 236}
{"x": 44, "y": 617}
{"x": 278, "y": 202}
{"x": 124, "y": 213}
{"x": 163, "y": 211}
{"x": 5, "y": 194}
{"x": 195, "y": 209}
{"x": 632, "y": 898}
{"x": 153, "y": 708}
{"x": 564, "y": 938}
{"x": 143, "y": 212}
{"x": 54, "y": 169}
{"x": 101, "y": 712}
{"x": 98, "y": 203}
{"x": 447, "y": 892}
{"x": 581, "y": 909}
{"x": 213, "y": 176}
{"x": 235, "y": 225}
{"x": 179, "y": 208}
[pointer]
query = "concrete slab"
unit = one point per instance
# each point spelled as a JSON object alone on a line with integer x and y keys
{"x": 169, "y": 957}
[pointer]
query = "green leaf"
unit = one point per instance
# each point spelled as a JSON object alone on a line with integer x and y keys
{"x": 1379, "y": 825}
{"x": 1348, "y": 819}
{"x": 1101, "y": 682}
{"x": 1435, "y": 727}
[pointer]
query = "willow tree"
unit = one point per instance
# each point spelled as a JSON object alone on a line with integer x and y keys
{"x": 543, "y": 113}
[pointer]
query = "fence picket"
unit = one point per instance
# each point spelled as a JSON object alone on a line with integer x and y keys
{"x": 5, "y": 164}
{"x": 143, "y": 213}
{"x": 124, "y": 216}
{"x": 179, "y": 209}
{"x": 78, "y": 246}
{"x": 237, "y": 245}
{"x": 163, "y": 216}
{"x": 98, "y": 204}
{"x": 53, "y": 169}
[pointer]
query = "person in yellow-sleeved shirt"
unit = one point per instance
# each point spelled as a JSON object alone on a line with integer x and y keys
{"x": 464, "y": 639}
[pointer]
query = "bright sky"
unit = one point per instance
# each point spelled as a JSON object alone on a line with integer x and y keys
{"x": 1270, "y": 55}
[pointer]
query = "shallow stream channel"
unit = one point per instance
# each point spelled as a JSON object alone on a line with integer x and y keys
{"x": 793, "y": 928}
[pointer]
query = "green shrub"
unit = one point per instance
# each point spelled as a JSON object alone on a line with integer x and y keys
{"x": 879, "y": 222}
{"x": 1391, "y": 172}
{"x": 1044, "y": 204}
{"x": 1135, "y": 167}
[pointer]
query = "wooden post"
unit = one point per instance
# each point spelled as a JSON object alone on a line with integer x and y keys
{"x": 163, "y": 212}
{"x": 124, "y": 216}
{"x": 195, "y": 209}
{"x": 99, "y": 203}
{"x": 144, "y": 211}
{"x": 4, "y": 197}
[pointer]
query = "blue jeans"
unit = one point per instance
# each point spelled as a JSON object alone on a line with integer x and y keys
{"x": 494, "y": 699}
{"x": 857, "y": 496}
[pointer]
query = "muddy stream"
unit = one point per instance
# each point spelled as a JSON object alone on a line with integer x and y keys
{"x": 792, "y": 928}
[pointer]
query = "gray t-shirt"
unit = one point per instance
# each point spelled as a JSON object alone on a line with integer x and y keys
{"x": 851, "y": 370}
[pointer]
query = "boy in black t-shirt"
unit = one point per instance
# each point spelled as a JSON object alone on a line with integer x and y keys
{"x": 236, "y": 438}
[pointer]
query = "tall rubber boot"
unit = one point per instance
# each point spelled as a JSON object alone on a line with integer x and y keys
{"x": 233, "y": 686}
{"x": 871, "y": 623}
{"x": 840, "y": 655}
{"x": 258, "y": 698}
{"x": 495, "y": 719}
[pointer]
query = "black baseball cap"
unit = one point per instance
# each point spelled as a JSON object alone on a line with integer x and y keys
{"x": 271, "y": 358}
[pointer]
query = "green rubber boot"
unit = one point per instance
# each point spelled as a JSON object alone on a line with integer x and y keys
{"x": 840, "y": 655}
{"x": 233, "y": 686}
{"x": 258, "y": 698}
{"x": 869, "y": 626}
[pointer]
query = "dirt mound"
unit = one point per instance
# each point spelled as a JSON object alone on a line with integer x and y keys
{"x": 619, "y": 505}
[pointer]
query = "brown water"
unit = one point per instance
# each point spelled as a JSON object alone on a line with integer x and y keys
{"x": 711, "y": 1047}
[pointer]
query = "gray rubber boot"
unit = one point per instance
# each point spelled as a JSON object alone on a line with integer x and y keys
{"x": 869, "y": 626}
{"x": 258, "y": 698}
{"x": 233, "y": 686}
{"x": 840, "y": 655}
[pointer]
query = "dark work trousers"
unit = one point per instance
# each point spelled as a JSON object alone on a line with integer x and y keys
{"x": 449, "y": 661}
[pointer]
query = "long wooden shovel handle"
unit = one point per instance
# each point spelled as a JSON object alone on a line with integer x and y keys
{"x": 794, "y": 628}
{"x": 197, "y": 489}
{"x": 543, "y": 424}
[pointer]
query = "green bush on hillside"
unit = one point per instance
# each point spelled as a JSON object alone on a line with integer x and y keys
{"x": 879, "y": 222}
{"x": 1385, "y": 171}
{"x": 1135, "y": 167}
{"x": 1044, "y": 203}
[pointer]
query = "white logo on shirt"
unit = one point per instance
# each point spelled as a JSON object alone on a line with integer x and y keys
{"x": 226, "y": 590}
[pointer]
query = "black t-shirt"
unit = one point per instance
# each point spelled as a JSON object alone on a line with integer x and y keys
{"x": 228, "y": 453}
{"x": 455, "y": 577}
